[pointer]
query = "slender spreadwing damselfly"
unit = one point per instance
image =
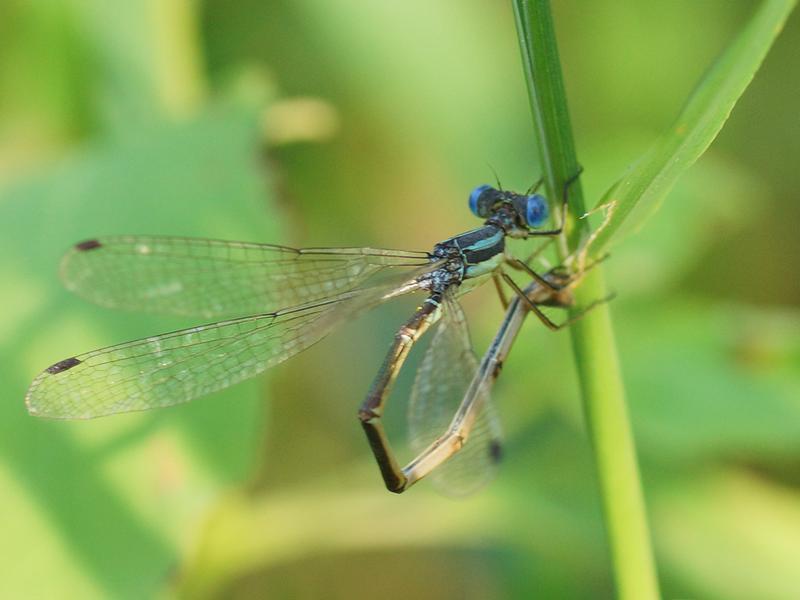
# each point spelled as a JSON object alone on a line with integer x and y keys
{"x": 321, "y": 288}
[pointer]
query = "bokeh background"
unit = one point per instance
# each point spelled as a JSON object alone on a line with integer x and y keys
{"x": 364, "y": 122}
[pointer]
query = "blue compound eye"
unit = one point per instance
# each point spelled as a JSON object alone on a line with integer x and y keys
{"x": 475, "y": 206}
{"x": 535, "y": 210}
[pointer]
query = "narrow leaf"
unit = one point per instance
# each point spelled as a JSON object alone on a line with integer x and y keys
{"x": 648, "y": 180}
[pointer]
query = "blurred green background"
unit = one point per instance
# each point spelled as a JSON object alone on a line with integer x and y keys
{"x": 364, "y": 122}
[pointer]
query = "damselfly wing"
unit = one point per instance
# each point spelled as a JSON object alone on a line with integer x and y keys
{"x": 207, "y": 277}
{"x": 442, "y": 381}
{"x": 215, "y": 278}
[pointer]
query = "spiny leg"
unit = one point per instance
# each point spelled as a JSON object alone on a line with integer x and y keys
{"x": 521, "y": 266}
{"x": 498, "y": 284}
{"x": 564, "y": 206}
{"x": 543, "y": 317}
{"x": 542, "y": 247}
{"x": 557, "y": 278}
{"x": 552, "y": 232}
{"x": 457, "y": 434}
{"x": 568, "y": 278}
{"x": 533, "y": 255}
{"x": 372, "y": 408}
{"x": 531, "y": 305}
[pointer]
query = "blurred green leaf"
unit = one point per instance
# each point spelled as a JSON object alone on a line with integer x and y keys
{"x": 427, "y": 95}
{"x": 654, "y": 174}
{"x": 247, "y": 533}
{"x": 45, "y": 83}
{"x": 731, "y": 534}
{"x": 658, "y": 260}
{"x": 111, "y": 493}
{"x": 708, "y": 382}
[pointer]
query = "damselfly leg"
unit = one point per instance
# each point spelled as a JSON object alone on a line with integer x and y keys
{"x": 497, "y": 280}
{"x": 474, "y": 410}
{"x": 437, "y": 394}
{"x": 441, "y": 382}
{"x": 564, "y": 207}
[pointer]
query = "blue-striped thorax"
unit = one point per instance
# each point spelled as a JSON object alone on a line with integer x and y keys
{"x": 479, "y": 252}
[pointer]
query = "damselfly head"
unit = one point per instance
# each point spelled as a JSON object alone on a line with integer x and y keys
{"x": 513, "y": 210}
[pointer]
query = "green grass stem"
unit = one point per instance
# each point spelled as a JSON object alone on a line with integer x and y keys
{"x": 593, "y": 341}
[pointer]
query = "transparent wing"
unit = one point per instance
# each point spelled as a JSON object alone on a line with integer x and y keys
{"x": 177, "y": 367}
{"x": 213, "y": 278}
{"x": 442, "y": 382}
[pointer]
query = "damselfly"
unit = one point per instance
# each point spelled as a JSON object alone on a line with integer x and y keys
{"x": 322, "y": 287}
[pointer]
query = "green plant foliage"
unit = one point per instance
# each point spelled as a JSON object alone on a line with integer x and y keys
{"x": 593, "y": 339}
{"x": 114, "y": 465}
{"x": 161, "y": 118}
{"x": 702, "y": 117}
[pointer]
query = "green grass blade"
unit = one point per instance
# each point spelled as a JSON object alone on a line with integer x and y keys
{"x": 541, "y": 65}
{"x": 637, "y": 194}
{"x": 593, "y": 340}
